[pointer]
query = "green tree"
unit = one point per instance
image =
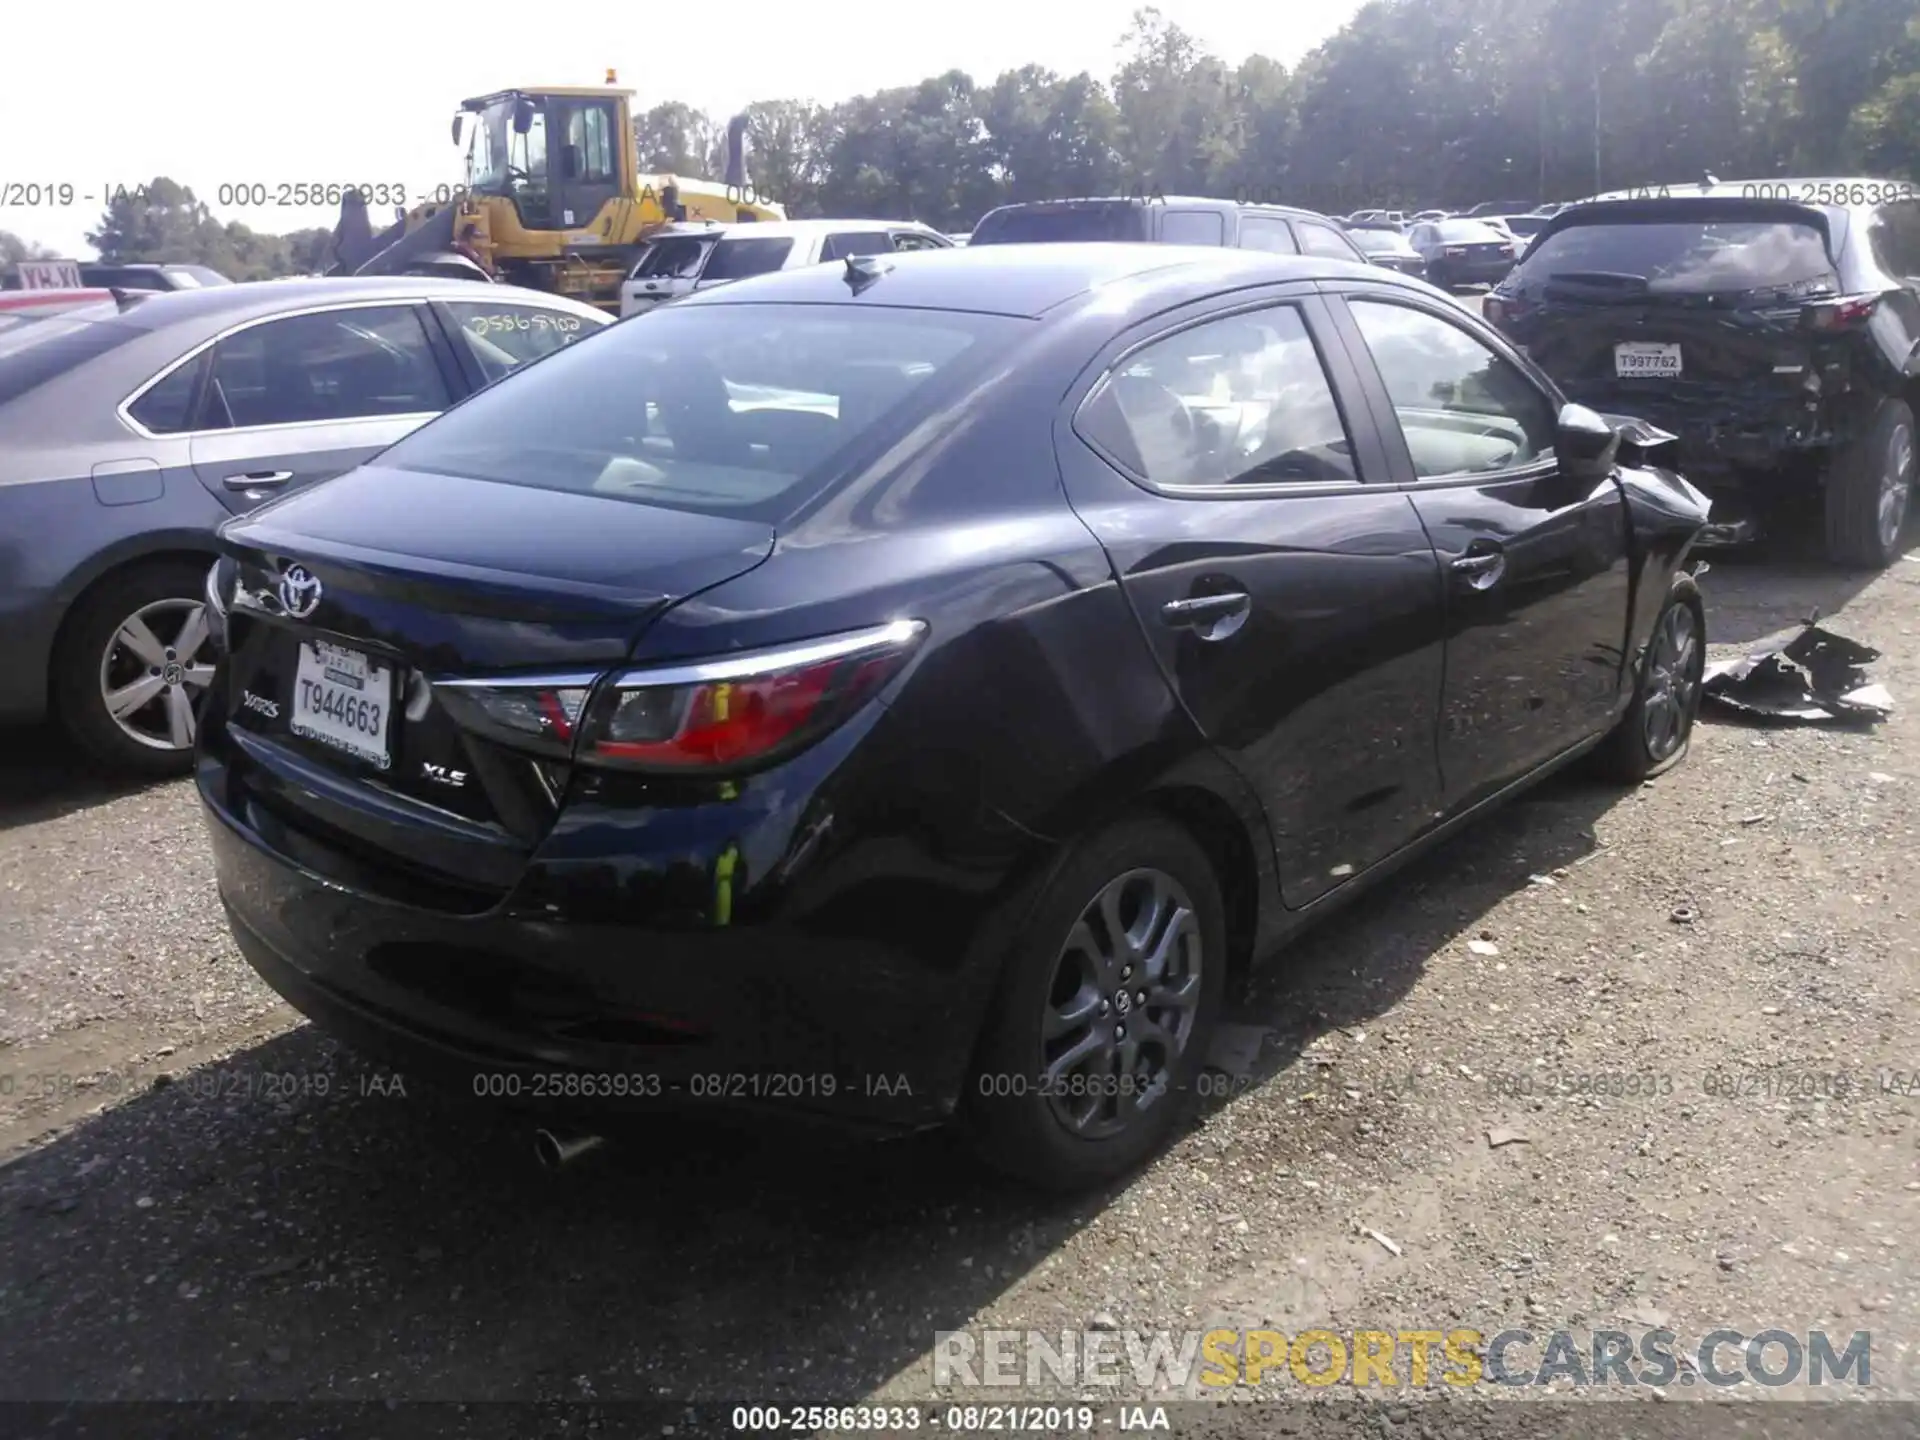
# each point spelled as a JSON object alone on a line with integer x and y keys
{"x": 13, "y": 250}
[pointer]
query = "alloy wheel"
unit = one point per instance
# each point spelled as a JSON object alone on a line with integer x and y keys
{"x": 153, "y": 672}
{"x": 1674, "y": 664}
{"x": 1125, "y": 994}
{"x": 1896, "y": 484}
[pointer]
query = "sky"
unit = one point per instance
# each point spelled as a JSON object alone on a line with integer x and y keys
{"x": 224, "y": 95}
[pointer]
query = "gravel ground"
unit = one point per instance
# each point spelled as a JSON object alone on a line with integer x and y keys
{"x": 181, "y": 1227}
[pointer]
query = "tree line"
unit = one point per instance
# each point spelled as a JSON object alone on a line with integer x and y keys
{"x": 1412, "y": 103}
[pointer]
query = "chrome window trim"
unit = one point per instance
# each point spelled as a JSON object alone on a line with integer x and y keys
{"x": 123, "y": 411}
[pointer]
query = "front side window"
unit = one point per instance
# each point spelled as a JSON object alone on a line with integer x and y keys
{"x": 1463, "y": 408}
{"x": 1243, "y": 400}
{"x": 332, "y": 365}
{"x": 726, "y": 409}
{"x": 862, "y": 242}
{"x": 1192, "y": 227}
{"x": 501, "y": 338}
{"x": 914, "y": 240}
{"x": 678, "y": 257}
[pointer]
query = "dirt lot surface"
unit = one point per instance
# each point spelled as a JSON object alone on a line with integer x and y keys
{"x": 1686, "y": 1011}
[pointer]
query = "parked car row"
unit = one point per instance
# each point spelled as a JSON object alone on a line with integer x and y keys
{"x": 688, "y": 257}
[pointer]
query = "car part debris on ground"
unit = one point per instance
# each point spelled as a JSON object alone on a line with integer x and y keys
{"x": 1806, "y": 673}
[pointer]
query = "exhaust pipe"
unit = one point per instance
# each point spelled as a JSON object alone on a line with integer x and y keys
{"x": 554, "y": 1151}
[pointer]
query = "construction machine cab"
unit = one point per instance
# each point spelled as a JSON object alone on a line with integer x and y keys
{"x": 558, "y": 155}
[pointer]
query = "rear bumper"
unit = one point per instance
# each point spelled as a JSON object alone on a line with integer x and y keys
{"x": 1470, "y": 272}
{"x": 525, "y": 1007}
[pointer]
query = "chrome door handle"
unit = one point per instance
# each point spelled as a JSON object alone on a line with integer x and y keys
{"x": 258, "y": 479}
{"x": 1212, "y": 617}
{"x": 1482, "y": 569}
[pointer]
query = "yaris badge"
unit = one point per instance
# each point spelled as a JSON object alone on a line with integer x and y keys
{"x": 299, "y": 591}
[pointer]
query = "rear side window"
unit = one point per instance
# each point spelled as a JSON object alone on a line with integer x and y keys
{"x": 168, "y": 408}
{"x": 676, "y": 258}
{"x": 738, "y": 259}
{"x": 332, "y": 365}
{"x": 1895, "y": 238}
{"x": 1242, "y": 400}
{"x": 501, "y": 338}
{"x": 736, "y": 409}
{"x": 1110, "y": 220}
{"x": 1684, "y": 256}
{"x": 37, "y": 348}
{"x": 1192, "y": 227}
{"x": 1264, "y": 232}
{"x": 1324, "y": 241}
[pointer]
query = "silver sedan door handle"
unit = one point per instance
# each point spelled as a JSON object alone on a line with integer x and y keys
{"x": 258, "y": 479}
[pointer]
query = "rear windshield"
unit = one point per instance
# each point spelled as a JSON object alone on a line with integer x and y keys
{"x": 1120, "y": 220}
{"x": 737, "y": 259}
{"x": 1468, "y": 232}
{"x": 1378, "y": 242}
{"x": 677, "y": 257}
{"x": 1685, "y": 257}
{"x": 37, "y": 348}
{"x": 728, "y": 409}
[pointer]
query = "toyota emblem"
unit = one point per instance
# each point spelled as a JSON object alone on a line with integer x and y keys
{"x": 299, "y": 591}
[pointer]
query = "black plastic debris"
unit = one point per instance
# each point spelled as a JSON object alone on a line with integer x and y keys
{"x": 1805, "y": 674}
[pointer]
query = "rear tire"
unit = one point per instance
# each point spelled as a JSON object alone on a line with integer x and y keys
{"x": 1073, "y": 983}
{"x": 1655, "y": 733}
{"x": 1869, "y": 485}
{"x": 95, "y": 657}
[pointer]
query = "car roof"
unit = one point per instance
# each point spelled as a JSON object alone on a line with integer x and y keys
{"x": 784, "y": 229}
{"x": 256, "y": 299}
{"x": 1184, "y": 202}
{"x": 1028, "y": 281}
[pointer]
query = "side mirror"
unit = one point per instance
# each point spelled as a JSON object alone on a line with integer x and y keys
{"x": 523, "y": 117}
{"x": 1586, "y": 444}
{"x": 736, "y": 170}
{"x": 459, "y": 125}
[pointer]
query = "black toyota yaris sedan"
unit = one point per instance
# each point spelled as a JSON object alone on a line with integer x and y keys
{"x": 916, "y": 689}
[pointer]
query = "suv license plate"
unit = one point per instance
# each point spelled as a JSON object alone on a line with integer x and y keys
{"x": 1640, "y": 357}
{"x": 343, "y": 699}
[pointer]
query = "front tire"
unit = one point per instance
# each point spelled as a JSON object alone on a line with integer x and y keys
{"x": 133, "y": 661}
{"x": 1654, "y": 734}
{"x": 1869, "y": 486}
{"x": 1105, "y": 1008}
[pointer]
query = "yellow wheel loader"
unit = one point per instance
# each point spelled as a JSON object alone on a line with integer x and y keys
{"x": 553, "y": 200}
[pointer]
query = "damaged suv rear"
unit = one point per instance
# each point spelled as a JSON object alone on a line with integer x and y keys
{"x": 1774, "y": 327}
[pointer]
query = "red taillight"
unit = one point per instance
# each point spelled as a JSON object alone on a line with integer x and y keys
{"x": 1842, "y": 313}
{"x": 742, "y": 711}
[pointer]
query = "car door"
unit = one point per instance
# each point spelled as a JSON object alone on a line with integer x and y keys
{"x": 1536, "y": 561}
{"x": 1294, "y": 606}
{"x": 301, "y": 398}
{"x": 492, "y": 339}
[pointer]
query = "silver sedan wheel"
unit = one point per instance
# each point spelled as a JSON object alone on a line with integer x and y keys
{"x": 1121, "y": 1009}
{"x": 154, "y": 671}
{"x": 1896, "y": 485}
{"x": 1674, "y": 664}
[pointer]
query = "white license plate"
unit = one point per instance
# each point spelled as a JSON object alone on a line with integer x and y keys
{"x": 342, "y": 698}
{"x": 1642, "y": 357}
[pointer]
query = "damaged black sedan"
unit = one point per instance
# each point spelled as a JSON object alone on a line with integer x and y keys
{"x": 916, "y": 690}
{"x": 1774, "y": 326}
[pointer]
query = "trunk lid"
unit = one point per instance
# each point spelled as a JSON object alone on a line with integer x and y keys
{"x": 351, "y": 598}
